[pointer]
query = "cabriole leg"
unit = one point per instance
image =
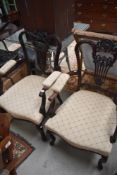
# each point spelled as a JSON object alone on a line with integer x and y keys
{"x": 101, "y": 161}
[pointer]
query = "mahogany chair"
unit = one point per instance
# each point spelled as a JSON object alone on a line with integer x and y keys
{"x": 28, "y": 98}
{"x": 87, "y": 119}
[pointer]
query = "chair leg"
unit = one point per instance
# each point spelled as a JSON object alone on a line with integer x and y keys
{"x": 41, "y": 130}
{"x": 59, "y": 99}
{"x": 114, "y": 137}
{"x": 51, "y": 137}
{"x": 101, "y": 161}
{"x": 67, "y": 59}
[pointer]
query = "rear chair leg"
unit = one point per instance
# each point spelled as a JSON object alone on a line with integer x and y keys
{"x": 51, "y": 137}
{"x": 101, "y": 161}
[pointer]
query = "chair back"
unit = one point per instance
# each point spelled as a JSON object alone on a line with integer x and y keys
{"x": 35, "y": 47}
{"x": 103, "y": 56}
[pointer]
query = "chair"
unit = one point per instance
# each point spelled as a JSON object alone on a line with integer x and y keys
{"x": 27, "y": 99}
{"x": 87, "y": 119}
{"x": 6, "y": 147}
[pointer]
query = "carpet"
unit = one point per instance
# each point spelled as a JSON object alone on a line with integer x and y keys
{"x": 22, "y": 149}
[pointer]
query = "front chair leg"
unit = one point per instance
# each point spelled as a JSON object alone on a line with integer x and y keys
{"x": 41, "y": 130}
{"x": 59, "y": 99}
{"x": 114, "y": 137}
{"x": 101, "y": 161}
{"x": 51, "y": 137}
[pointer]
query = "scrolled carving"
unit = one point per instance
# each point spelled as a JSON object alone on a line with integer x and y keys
{"x": 104, "y": 55}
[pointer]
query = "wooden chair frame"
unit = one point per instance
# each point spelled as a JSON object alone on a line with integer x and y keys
{"x": 102, "y": 66}
{"x": 41, "y": 46}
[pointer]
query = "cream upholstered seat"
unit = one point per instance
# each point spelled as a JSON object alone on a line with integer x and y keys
{"x": 86, "y": 120}
{"x": 22, "y": 100}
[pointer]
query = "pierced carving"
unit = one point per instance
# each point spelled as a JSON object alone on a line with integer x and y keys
{"x": 104, "y": 55}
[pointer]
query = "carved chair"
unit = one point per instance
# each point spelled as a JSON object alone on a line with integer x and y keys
{"x": 6, "y": 147}
{"x": 28, "y": 98}
{"x": 87, "y": 119}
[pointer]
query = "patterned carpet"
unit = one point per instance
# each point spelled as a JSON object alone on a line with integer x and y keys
{"x": 22, "y": 149}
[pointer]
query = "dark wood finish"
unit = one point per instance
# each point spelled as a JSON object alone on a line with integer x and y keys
{"x": 102, "y": 64}
{"x": 52, "y": 16}
{"x": 101, "y": 161}
{"x": 106, "y": 44}
{"x": 4, "y": 139}
{"x": 102, "y": 14}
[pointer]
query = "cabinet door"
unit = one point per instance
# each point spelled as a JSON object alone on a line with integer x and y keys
{"x": 36, "y": 14}
{"x": 63, "y": 17}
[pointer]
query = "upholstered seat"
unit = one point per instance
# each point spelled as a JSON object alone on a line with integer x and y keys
{"x": 86, "y": 120}
{"x": 22, "y": 100}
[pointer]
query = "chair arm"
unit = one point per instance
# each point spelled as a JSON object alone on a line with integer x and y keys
{"x": 60, "y": 83}
{"x": 50, "y": 80}
{"x": 5, "y": 143}
{"x": 53, "y": 96}
{"x": 42, "y": 109}
{"x": 7, "y": 66}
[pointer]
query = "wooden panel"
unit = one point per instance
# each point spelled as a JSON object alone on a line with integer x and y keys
{"x": 64, "y": 15}
{"x": 100, "y": 14}
{"x": 36, "y": 14}
{"x": 16, "y": 75}
{"x": 52, "y": 16}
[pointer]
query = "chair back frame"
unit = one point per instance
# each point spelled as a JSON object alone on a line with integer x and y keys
{"x": 40, "y": 43}
{"x": 102, "y": 63}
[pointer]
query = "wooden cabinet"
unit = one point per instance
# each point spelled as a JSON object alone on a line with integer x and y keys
{"x": 52, "y": 16}
{"x": 100, "y": 14}
{"x": 19, "y": 73}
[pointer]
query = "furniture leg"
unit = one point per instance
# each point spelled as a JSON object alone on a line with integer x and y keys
{"x": 51, "y": 137}
{"x": 101, "y": 161}
{"x": 114, "y": 137}
{"x": 67, "y": 59}
{"x": 42, "y": 133}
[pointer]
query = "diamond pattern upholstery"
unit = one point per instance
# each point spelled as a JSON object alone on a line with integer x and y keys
{"x": 86, "y": 120}
{"x": 22, "y": 100}
{"x": 60, "y": 82}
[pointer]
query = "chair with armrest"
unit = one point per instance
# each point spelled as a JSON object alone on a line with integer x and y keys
{"x": 28, "y": 98}
{"x": 87, "y": 119}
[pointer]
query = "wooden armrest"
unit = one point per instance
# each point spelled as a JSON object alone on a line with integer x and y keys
{"x": 53, "y": 96}
{"x": 80, "y": 34}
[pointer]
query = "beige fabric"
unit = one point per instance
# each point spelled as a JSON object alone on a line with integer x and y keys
{"x": 6, "y": 67}
{"x": 60, "y": 82}
{"x": 51, "y": 79}
{"x": 14, "y": 47}
{"x": 22, "y": 100}
{"x": 86, "y": 120}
